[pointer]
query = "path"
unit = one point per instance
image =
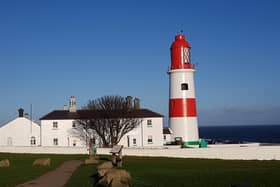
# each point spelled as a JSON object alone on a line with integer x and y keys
{"x": 55, "y": 178}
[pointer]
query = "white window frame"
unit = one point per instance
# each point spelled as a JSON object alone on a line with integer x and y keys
{"x": 55, "y": 141}
{"x": 134, "y": 141}
{"x": 149, "y": 123}
{"x": 32, "y": 140}
{"x": 55, "y": 125}
{"x": 10, "y": 141}
{"x": 150, "y": 139}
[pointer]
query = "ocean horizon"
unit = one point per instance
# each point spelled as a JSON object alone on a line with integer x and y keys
{"x": 247, "y": 133}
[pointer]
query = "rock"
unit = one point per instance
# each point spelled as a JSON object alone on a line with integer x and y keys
{"x": 4, "y": 163}
{"x": 103, "y": 168}
{"x": 116, "y": 178}
{"x": 42, "y": 162}
{"x": 91, "y": 161}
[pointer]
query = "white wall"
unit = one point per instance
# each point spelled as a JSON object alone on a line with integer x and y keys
{"x": 225, "y": 153}
{"x": 252, "y": 152}
{"x": 65, "y": 136}
{"x": 142, "y": 132}
{"x": 44, "y": 150}
{"x": 167, "y": 139}
{"x": 18, "y": 132}
{"x": 63, "y": 133}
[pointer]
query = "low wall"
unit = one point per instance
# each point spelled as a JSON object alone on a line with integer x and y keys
{"x": 232, "y": 152}
{"x": 44, "y": 150}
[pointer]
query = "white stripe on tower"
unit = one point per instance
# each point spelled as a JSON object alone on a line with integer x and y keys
{"x": 182, "y": 102}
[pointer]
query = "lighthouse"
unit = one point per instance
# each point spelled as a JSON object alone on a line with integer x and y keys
{"x": 182, "y": 102}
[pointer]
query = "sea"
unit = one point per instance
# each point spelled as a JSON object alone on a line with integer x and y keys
{"x": 235, "y": 134}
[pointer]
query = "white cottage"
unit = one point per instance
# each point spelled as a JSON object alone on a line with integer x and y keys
{"x": 20, "y": 131}
{"x": 58, "y": 126}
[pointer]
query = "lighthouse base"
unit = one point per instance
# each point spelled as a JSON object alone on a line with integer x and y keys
{"x": 190, "y": 144}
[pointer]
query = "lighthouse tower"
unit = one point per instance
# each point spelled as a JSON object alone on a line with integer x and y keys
{"x": 182, "y": 102}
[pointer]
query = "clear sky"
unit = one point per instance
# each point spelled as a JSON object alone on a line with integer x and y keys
{"x": 50, "y": 50}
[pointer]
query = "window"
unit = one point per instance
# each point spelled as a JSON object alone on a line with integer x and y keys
{"x": 74, "y": 124}
{"x": 74, "y": 143}
{"x": 55, "y": 125}
{"x": 149, "y": 123}
{"x": 184, "y": 86}
{"x": 150, "y": 139}
{"x": 33, "y": 140}
{"x": 134, "y": 141}
{"x": 55, "y": 141}
{"x": 92, "y": 141}
{"x": 10, "y": 141}
{"x": 164, "y": 137}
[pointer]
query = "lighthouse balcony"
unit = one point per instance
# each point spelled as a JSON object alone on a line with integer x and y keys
{"x": 183, "y": 66}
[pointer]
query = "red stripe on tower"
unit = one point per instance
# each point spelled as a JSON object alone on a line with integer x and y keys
{"x": 182, "y": 107}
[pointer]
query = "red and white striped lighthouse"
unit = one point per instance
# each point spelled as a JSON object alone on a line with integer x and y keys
{"x": 182, "y": 102}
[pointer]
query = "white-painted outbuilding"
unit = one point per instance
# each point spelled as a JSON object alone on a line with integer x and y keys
{"x": 59, "y": 126}
{"x": 20, "y": 131}
{"x": 167, "y": 136}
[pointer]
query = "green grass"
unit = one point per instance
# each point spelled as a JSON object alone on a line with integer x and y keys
{"x": 21, "y": 169}
{"x": 83, "y": 177}
{"x": 152, "y": 172}
{"x": 199, "y": 172}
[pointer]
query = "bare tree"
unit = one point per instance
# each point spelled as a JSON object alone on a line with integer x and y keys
{"x": 110, "y": 117}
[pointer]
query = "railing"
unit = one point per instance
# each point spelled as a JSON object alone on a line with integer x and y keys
{"x": 186, "y": 66}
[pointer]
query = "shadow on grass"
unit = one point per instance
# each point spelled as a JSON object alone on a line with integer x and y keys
{"x": 104, "y": 158}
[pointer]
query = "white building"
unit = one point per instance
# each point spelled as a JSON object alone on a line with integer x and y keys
{"x": 167, "y": 136}
{"x": 20, "y": 131}
{"x": 58, "y": 128}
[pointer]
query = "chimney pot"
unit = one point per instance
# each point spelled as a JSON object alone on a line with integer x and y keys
{"x": 129, "y": 101}
{"x": 72, "y": 104}
{"x": 136, "y": 103}
{"x": 20, "y": 112}
{"x": 65, "y": 107}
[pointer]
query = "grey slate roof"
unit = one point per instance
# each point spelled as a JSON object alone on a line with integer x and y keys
{"x": 88, "y": 114}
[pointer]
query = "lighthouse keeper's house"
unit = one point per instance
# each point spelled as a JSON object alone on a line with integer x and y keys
{"x": 57, "y": 128}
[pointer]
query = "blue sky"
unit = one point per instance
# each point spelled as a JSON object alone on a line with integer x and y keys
{"x": 50, "y": 50}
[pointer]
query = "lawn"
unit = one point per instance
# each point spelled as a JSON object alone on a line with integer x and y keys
{"x": 151, "y": 172}
{"x": 21, "y": 169}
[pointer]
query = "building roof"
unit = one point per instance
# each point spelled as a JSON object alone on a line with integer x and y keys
{"x": 167, "y": 130}
{"x": 88, "y": 114}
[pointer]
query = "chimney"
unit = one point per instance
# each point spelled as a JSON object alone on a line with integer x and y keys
{"x": 26, "y": 115}
{"x": 136, "y": 103}
{"x": 20, "y": 112}
{"x": 129, "y": 101}
{"x": 72, "y": 104}
{"x": 65, "y": 107}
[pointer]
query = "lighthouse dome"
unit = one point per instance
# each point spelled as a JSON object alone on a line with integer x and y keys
{"x": 180, "y": 41}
